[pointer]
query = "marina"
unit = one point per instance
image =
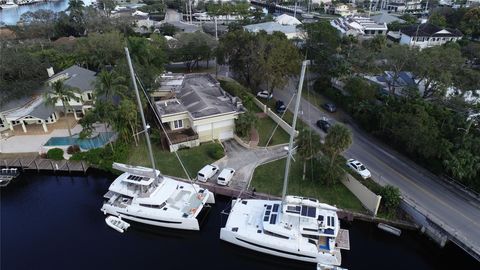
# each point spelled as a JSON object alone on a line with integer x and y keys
{"x": 72, "y": 204}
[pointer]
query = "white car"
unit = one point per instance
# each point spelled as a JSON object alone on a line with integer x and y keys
{"x": 358, "y": 167}
{"x": 225, "y": 176}
{"x": 265, "y": 94}
{"x": 207, "y": 172}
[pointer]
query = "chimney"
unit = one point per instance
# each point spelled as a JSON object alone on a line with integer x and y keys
{"x": 50, "y": 72}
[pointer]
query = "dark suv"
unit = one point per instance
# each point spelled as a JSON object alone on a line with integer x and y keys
{"x": 330, "y": 107}
{"x": 324, "y": 125}
{"x": 280, "y": 107}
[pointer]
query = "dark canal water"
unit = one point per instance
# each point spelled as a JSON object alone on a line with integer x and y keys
{"x": 54, "y": 222}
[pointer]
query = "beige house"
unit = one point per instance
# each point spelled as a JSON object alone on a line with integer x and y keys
{"x": 194, "y": 108}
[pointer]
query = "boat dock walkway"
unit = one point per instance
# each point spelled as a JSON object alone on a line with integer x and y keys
{"x": 342, "y": 213}
{"x": 42, "y": 164}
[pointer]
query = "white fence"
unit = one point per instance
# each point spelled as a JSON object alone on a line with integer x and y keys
{"x": 369, "y": 200}
{"x": 277, "y": 119}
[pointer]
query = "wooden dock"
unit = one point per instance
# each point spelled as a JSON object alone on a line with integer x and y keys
{"x": 41, "y": 164}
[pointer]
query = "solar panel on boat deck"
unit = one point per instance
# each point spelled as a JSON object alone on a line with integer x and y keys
{"x": 265, "y": 218}
{"x": 269, "y": 207}
{"x": 136, "y": 178}
{"x": 275, "y": 208}
{"x": 273, "y": 218}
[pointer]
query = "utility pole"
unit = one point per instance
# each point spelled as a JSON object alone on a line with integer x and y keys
{"x": 216, "y": 28}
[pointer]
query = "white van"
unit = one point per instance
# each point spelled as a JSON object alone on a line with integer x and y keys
{"x": 225, "y": 176}
{"x": 206, "y": 172}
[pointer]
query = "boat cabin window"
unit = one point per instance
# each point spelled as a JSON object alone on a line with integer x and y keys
{"x": 331, "y": 221}
{"x": 293, "y": 209}
{"x": 309, "y": 211}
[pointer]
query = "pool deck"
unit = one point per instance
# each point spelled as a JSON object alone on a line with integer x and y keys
{"x": 34, "y": 143}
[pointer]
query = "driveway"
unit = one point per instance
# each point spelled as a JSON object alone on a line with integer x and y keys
{"x": 245, "y": 160}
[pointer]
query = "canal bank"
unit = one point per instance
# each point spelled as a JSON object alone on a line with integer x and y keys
{"x": 75, "y": 236}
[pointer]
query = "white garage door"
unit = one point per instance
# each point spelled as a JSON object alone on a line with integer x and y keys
{"x": 225, "y": 135}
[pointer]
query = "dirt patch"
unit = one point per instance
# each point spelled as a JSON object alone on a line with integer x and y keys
{"x": 261, "y": 115}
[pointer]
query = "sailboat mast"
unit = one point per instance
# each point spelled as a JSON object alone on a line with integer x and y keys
{"x": 292, "y": 132}
{"x": 147, "y": 136}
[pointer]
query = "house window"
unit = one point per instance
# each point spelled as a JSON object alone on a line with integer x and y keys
{"x": 1, "y": 123}
{"x": 89, "y": 96}
{"x": 178, "y": 124}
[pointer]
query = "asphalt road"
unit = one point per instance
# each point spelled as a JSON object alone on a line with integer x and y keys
{"x": 438, "y": 201}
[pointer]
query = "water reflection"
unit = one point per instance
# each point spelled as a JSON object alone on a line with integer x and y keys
{"x": 12, "y": 15}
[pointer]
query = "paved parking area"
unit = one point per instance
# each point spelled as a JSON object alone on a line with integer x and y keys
{"x": 245, "y": 160}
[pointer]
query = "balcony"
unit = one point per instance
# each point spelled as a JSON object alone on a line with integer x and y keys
{"x": 179, "y": 136}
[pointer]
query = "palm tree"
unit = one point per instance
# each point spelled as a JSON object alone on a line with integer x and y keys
{"x": 107, "y": 86}
{"x": 110, "y": 84}
{"x": 338, "y": 139}
{"x": 63, "y": 93}
{"x": 76, "y": 8}
{"x": 308, "y": 145}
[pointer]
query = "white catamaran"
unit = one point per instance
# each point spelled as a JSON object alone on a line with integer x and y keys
{"x": 143, "y": 195}
{"x": 295, "y": 227}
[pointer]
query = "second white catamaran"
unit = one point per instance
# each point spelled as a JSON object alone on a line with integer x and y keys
{"x": 295, "y": 227}
{"x": 144, "y": 195}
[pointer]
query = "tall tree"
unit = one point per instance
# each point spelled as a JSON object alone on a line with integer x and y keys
{"x": 338, "y": 139}
{"x": 308, "y": 146}
{"x": 398, "y": 58}
{"x": 245, "y": 123}
{"x": 471, "y": 22}
{"x": 436, "y": 67}
{"x": 60, "y": 92}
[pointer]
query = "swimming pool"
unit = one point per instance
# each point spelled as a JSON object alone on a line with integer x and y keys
{"x": 98, "y": 141}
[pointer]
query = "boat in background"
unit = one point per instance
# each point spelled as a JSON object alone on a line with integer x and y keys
{"x": 117, "y": 223}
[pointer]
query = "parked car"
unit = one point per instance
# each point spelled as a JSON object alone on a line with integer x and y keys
{"x": 265, "y": 94}
{"x": 207, "y": 172}
{"x": 330, "y": 107}
{"x": 324, "y": 124}
{"x": 225, "y": 176}
{"x": 358, "y": 167}
{"x": 280, "y": 107}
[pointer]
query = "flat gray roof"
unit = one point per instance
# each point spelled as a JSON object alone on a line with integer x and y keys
{"x": 200, "y": 95}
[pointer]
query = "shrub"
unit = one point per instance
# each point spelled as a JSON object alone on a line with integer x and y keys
{"x": 216, "y": 152}
{"x": 391, "y": 198}
{"x": 72, "y": 149}
{"x": 55, "y": 154}
{"x": 102, "y": 158}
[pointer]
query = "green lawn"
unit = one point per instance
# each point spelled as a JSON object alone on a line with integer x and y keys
{"x": 193, "y": 159}
{"x": 268, "y": 178}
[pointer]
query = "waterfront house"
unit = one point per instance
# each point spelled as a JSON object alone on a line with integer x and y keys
{"x": 193, "y": 108}
{"x": 81, "y": 79}
{"x": 428, "y": 35}
{"x": 32, "y": 110}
